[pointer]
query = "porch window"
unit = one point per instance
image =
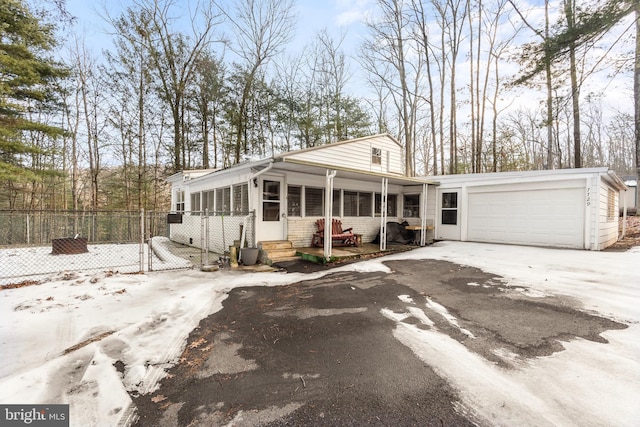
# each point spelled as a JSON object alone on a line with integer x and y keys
{"x": 450, "y": 208}
{"x": 392, "y": 204}
{"x": 180, "y": 201}
{"x": 208, "y": 200}
{"x": 365, "y": 205}
{"x": 240, "y": 199}
{"x": 350, "y": 206}
{"x": 411, "y": 206}
{"x": 195, "y": 204}
{"x": 223, "y": 200}
{"x": 336, "y": 202}
{"x": 294, "y": 200}
{"x": 357, "y": 203}
{"x": 313, "y": 201}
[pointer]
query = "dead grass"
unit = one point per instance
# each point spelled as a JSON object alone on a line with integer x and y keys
{"x": 632, "y": 234}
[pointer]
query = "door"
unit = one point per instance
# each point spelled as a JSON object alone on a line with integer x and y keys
{"x": 272, "y": 215}
{"x": 449, "y": 215}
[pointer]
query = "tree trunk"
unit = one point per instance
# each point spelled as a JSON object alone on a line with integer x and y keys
{"x": 547, "y": 66}
{"x": 569, "y": 9}
{"x": 636, "y": 99}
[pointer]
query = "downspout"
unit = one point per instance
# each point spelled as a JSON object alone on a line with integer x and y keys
{"x": 596, "y": 246}
{"x": 250, "y": 195}
{"x": 328, "y": 211}
{"x": 423, "y": 215}
{"x": 383, "y": 214}
{"x": 618, "y": 181}
{"x": 624, "y": 215}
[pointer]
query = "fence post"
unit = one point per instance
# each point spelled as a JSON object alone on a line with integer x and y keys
{"x": 206, "y": 236}
{"x": 142, "y": 240}
{"x": 150, "y": 244}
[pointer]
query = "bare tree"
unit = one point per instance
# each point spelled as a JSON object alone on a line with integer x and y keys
{"x": 388, "y": 45}
{"x": 90, "y": 100}
{"x": 423, "y": 38}
{"x": 262, "y": 29}
{"x": 174, "y": 57}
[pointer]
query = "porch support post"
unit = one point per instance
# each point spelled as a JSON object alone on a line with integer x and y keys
{"x": 423, "y": 215}
{"x": 383, "y": 214}
{"x": 328, "y": 212}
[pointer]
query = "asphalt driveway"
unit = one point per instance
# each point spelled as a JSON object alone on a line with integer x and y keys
{"x": 323, "y": 351}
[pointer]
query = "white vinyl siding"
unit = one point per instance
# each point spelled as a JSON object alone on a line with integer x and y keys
{"x": 356, "y": 155}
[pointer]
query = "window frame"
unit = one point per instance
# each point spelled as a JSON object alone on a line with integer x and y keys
{"x": 307, "y": 199}
{"x": 391, "y": 211}
{"x": 293, "y": 210}
{"x": 414, "y": 208}
{"x": 179, "y": 200}
{"x": 195, "y": 199}
{"x": 376, "y": 156}
{"x": 448, "y": 206}
{"x": 225, "y": 192}
{"x": 243, "y": 209}
{"x": 611, "y": 205}
{"x": 356, "y": 208}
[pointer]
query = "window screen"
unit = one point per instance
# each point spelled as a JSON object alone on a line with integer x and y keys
{"x": 412, "y": 206}
{"x": 314, "y": 201}
{"x": 240, "y": 199}
{"x": 223, "y": 200}
{"x": 294, "y": 201}
{"x": 392, "y": 204}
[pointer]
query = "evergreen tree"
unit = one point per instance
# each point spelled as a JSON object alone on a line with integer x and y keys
{"x": 27, "y": 86}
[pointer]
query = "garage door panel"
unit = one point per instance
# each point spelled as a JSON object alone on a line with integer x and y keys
{"x": 533, "y": 217}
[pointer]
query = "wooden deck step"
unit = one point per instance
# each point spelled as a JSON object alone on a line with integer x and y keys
{"x": 273, "y": 251}
{"x": 275, "y": 244}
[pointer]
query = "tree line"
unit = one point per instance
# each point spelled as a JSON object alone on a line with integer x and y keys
{"x": 217, "y": 83}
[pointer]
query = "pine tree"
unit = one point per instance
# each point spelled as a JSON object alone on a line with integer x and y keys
{"x": 27, "y": 85}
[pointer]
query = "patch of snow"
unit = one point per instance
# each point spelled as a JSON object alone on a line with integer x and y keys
{"x": 406, "y": 299}
{"x": 440, "y": 309}
{"x": 64, "y": 336}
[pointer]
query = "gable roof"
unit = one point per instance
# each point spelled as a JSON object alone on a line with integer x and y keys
{"x": 334, "y": 144}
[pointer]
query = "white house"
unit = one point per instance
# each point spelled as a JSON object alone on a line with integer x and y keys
{"x": 361, "y": 182}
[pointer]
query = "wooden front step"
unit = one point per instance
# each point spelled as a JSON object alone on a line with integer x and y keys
{"x": 273, "y": 251}
{"x": 275, "y": 244}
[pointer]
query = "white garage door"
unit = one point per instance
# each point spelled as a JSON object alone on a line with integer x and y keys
{"x": 552, "y": 217}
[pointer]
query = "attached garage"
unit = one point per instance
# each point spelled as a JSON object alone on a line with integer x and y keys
{"x": 569, "y": 208}
{"x": 534, "y": 217}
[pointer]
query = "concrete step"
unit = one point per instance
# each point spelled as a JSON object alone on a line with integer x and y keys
{"x": 275, "y": 244}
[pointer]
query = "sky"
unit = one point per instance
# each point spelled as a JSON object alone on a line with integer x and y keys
{"x": 312, "y": 16}
{"x": 346, "y": 16}
{"x": 144, "y": 320}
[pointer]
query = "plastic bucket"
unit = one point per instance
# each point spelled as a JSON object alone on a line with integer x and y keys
{"x": 249, "y": 256}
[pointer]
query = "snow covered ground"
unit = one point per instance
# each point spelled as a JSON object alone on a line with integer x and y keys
{"x": 64, "y": 341}
{"x": 37, "y": 263}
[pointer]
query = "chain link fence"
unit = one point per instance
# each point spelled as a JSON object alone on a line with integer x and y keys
{"x": 41, "y": 245}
